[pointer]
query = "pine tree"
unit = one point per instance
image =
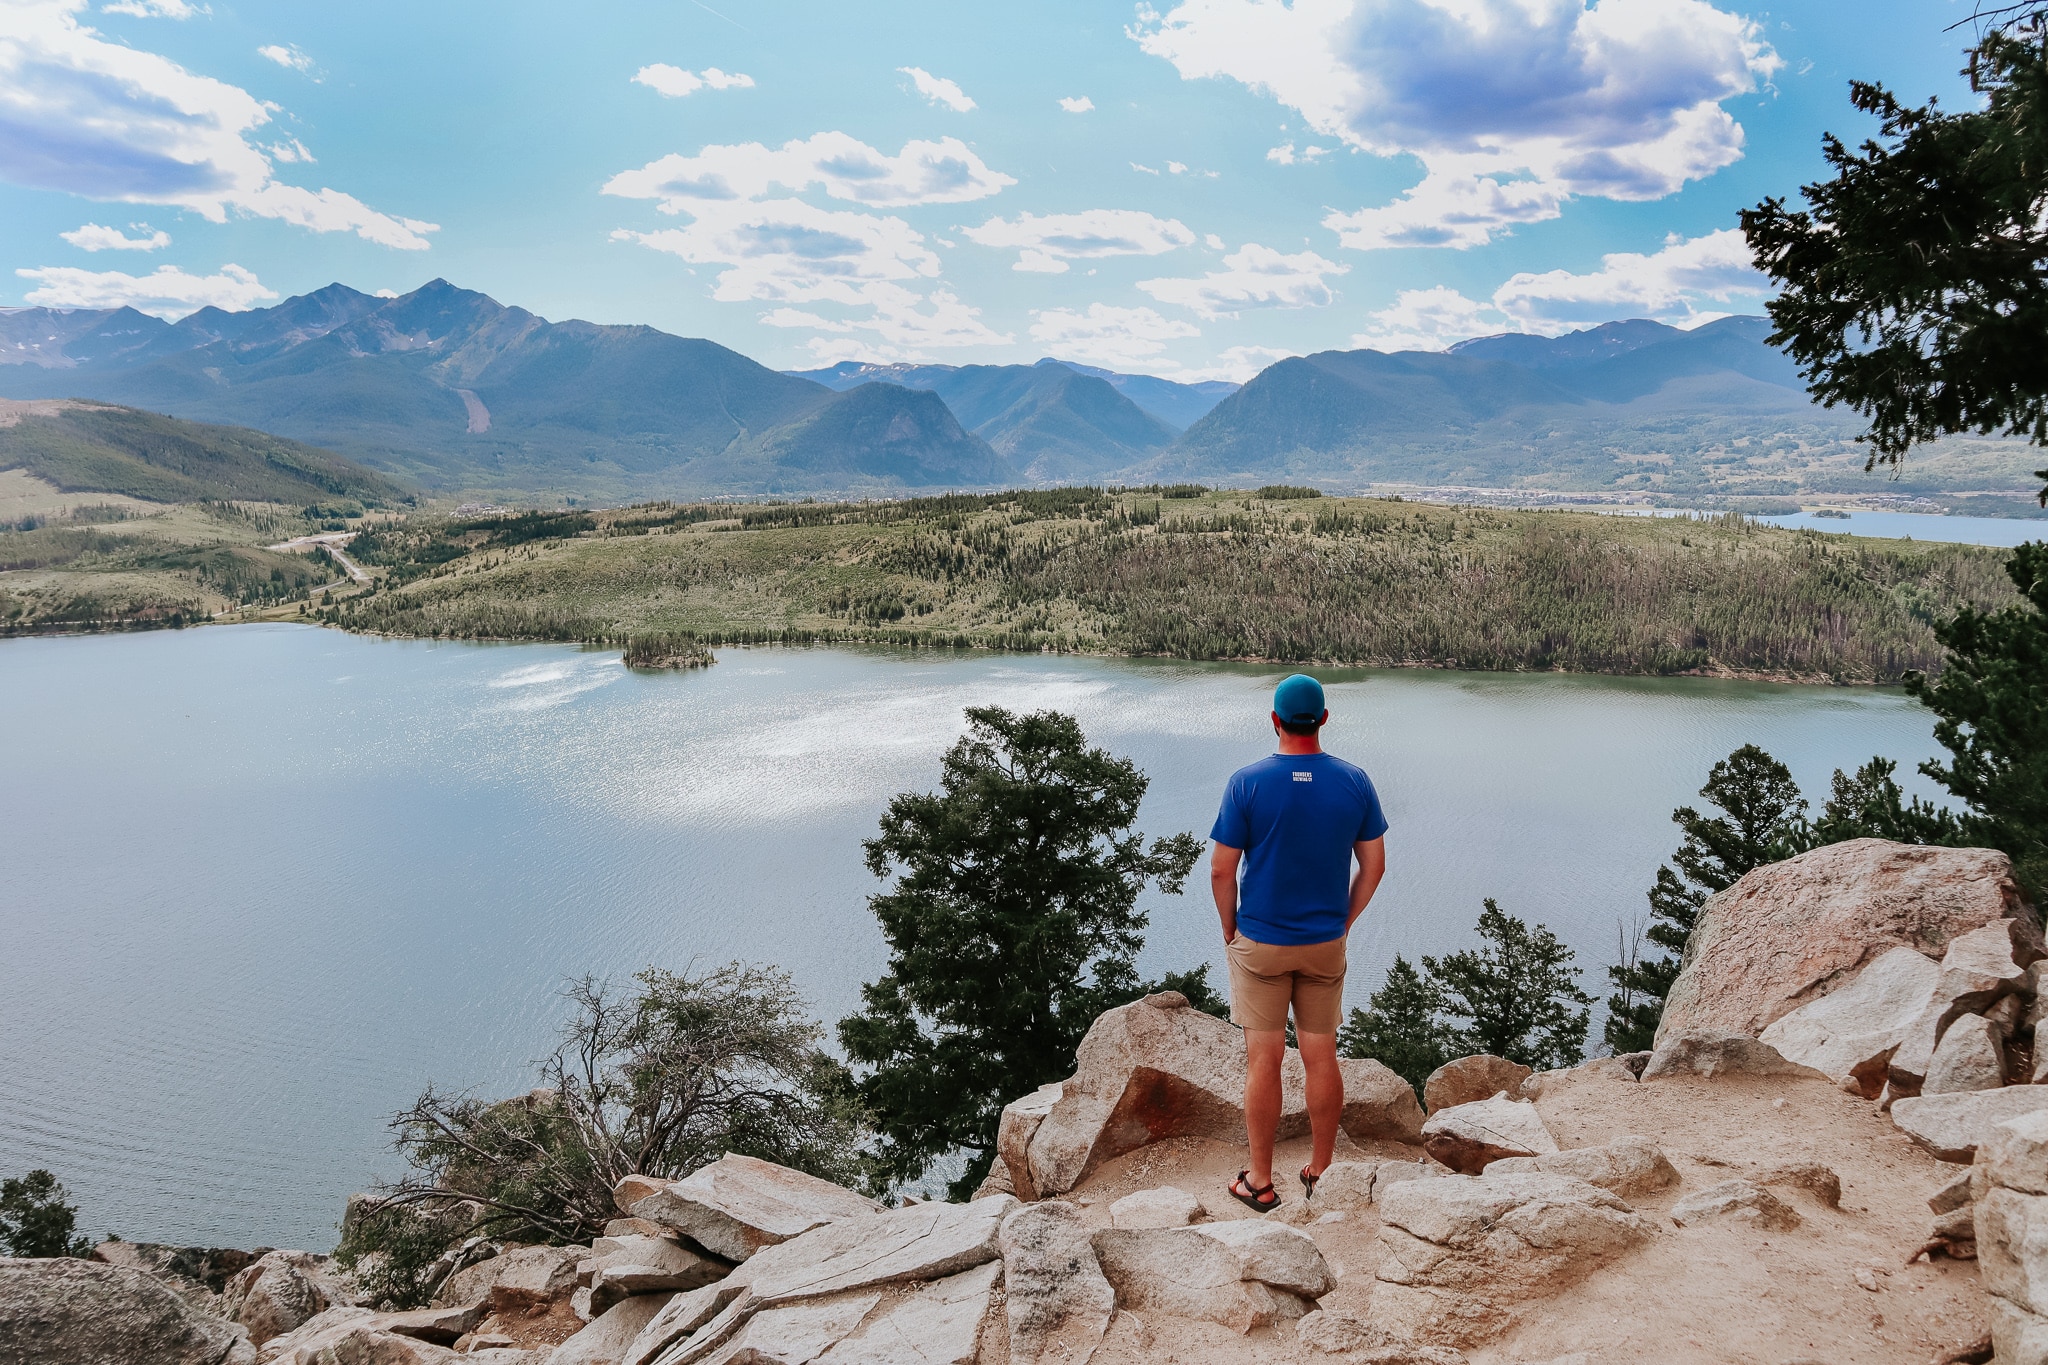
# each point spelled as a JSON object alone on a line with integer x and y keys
{"x": 1399, "y": 1026}
{"x": 1992, "y": 707}
{"x": 1763, "y": 820}
{"x": 1012, "y": 923}
{"x": 36, "y": 1219}
{"x": 1517, "y": 997}
{"x": 1870, "y": 805}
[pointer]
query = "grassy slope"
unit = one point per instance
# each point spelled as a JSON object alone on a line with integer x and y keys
{"x": 144, "y": 455}
{"x": 1223, "y": 576}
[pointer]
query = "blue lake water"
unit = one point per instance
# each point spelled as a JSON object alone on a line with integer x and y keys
{"x": 262, "y": 883}
{"x": 2005, "y": 531}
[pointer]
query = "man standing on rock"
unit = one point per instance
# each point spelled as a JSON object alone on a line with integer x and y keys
{"x": 1293, "y": 823}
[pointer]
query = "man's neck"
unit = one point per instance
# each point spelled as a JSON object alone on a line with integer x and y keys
{"x": 1294, "y": 745}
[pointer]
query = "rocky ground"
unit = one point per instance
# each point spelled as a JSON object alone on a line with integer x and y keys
{"x": 1867, "y": 1182}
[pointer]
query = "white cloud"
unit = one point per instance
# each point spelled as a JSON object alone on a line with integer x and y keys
{"x": 1512, "y": 106}
{"x": 938, "y": 89}
{"x": 93, "y": 237}
{"x": 1213, "y": 242}
{"x": 1427, "y": 320}
{"x": 1046, "y": 243}
{"x": 1253, "y": 276}
{"x": 1146, "y": 169}
{"x": 1237, "y": 364}
{"x": 291, "y": 149}
{"x": 1079, "y": 104}
{"x": 289, "y": 57}
{"x": 902, "y": 325}
{"x": 155, "y": 9}
{"x": 788, "y": 251}
{"x": 1667, "y": 285}
{"x": 1107, "y": 336}
{"x": 942, "y": 172}
{"x": 85, "y": 116}
{"x": 1286, "y": 155}
{"x": 168, "y": 293}
{"x": 672, "y": 82}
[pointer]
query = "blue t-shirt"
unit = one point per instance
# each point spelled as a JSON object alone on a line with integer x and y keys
{"x": 1296, "y": 817}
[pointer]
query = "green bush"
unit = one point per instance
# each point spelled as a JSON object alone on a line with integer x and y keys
{"x": 36, "y": 1218}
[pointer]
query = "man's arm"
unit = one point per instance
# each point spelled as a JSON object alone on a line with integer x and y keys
{"x": 1372, "y": 865}
{"x": 1223, "y": 861}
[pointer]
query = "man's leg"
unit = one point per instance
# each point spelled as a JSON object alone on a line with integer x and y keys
{"x": 1263, "y": 1053}
{"x": 1325, "y": 1096}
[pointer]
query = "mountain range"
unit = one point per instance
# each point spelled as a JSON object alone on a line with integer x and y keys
{"x": 452, "y": 391}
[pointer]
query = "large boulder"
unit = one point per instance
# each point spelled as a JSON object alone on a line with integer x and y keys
{"x": 1463, "y": 1255}
{"x": 1795, "y": 931}
{"x": 620, "y": 1267}
{"x": 1245, "y": 1273}
{"x": 1851, "y": 1034}
{"x": 1953, "y": 1127}
{"x": 739, "y": 1204}
{"x": 1630, "y": 1167}
{"x": 1166, "y": 1207}
{"x": 939, "y": 1323}
{"x": 1471, "y": 1079}
{"x": 1056, "y": 1302}
{"x": 197, "y": 1274}
{"x": 679, "y": 1319}
{"x": 62, "y": 1311}
{"x": 1156, "y": 1069}
{"x": 282, "y": 1289}
{"x": 1970, "y": 1056}
{"x": 1468, "y": 1137}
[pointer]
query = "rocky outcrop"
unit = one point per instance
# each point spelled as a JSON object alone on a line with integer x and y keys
{"x": 1467, "y": 1137}
{"x": 1156, "y": 1069}
{"x": 1462, "y": 1257}
{"x": 739, "y": 1204}
{"x": 1168, "y": 1207}
{"x": 1970, "y": 1056}
{"x": 519, "y": 1278}
{"x": 1057, "y": 1304}
{"x": 1793, "y": 932}
{"x": 620, "y": 1267}
{"x": 1979, "y": 971}
{"x": 1244, "y": 1274}
{"x": 1467, "y": 1080}
{"x": 1630, "y": 1167}
{"x": 73, "y": 1312}
{"x": 1851, "y": 1034}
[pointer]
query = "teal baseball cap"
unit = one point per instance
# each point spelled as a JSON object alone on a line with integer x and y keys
{"x": 1299, "y": 700}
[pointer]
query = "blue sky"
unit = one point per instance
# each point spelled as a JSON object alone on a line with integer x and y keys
{"x": 1190, "y": 190}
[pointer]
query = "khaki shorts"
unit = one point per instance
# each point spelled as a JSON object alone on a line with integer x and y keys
{"x": 1265, "y": 978}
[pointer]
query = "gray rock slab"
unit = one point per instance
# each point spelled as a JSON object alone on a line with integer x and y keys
{"x": 1720, "y": 1052}
{"x": 610, "y": 1334}
{"x": 796, "y": 1334}
{"x": 64, "y": 1310}
{"x": 1469, "y": 1137}
{"x": 531, "y": 1273}
{"x": 1970, "y": 1056}
{"x": 739, "y": 1204}
{"x": 938, "y": 1324}
{"x": 1166, "y": 1207}
{"x": 1188, "y": 1273}
{"x": 1851, "y": 1034}
{"x": 1736, "y": 1201}
{"x": 679, "y": 1319}
{"x": 1953, "y": 1127}
{"x": 1469, "y": 1079}
{"x": 2012, "y": 1247}
{"x": 1628, "y": 1166}
{"x": 920, "y": 1242}
{"x": 1057, "y": 1303}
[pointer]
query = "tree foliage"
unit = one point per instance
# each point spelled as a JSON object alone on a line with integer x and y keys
{"x": 1763, "y": 819}
{"x": 1991, "y": 704}
{"x": 657, "y": 1082}
{"x": 1914, "y": 284}
{"x": 37, "y": 1218}
{"x": 1515, "y": 996}
{"x": 1012, "y": 922}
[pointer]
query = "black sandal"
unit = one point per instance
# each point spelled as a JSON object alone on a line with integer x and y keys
{"x": 1259, "y": 1198}
{"x": 1308, "y": 1183}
